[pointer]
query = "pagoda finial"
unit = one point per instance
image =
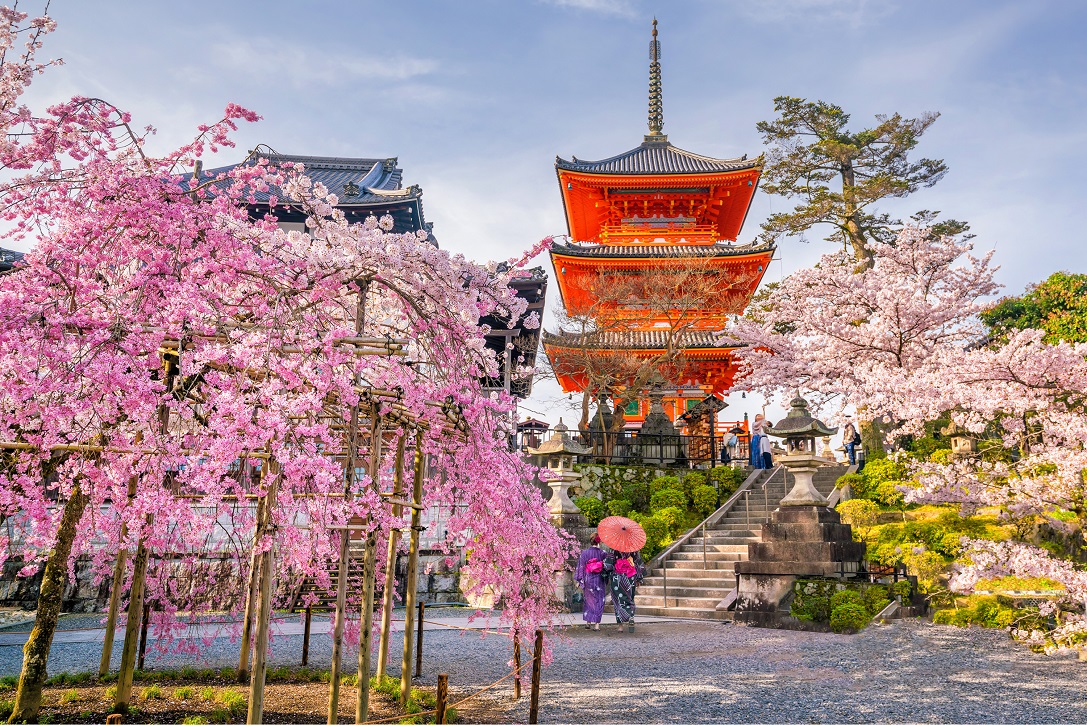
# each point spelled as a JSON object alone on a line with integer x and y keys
{"x": 656, "y": 105}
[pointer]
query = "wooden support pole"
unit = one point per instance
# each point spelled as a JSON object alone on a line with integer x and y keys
{"x": 114, "y": 608}
{"x": 143, "y": 634}
{"x": 443, "y": 695}
{"x": 254, "y": 586}
{"x": 264, "y": 608}
{"x": 419, "y": 641}
{"x": 411, "y": 574}
{"x": 366, "y": 634}
{"x": 390, "y": 562}
{"x": 537, "y": 662}
{"x": 516, "y": 665}
{"x": 132, "y": 627}
{"x": 305, "y": 635}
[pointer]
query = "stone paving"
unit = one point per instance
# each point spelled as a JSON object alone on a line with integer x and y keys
{"x": 695, "y": 671}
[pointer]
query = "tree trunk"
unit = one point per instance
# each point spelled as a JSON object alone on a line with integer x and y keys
{"x": 852, "y": 230}
{"x": 28, "y": 698}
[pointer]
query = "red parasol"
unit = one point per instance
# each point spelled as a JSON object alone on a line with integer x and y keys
{"x": 621, "y": 534}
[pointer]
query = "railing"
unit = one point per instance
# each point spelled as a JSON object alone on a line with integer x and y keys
{"x": 765, "y": 491}
{"x": 631, "y": 447}
{"x": 662, "y": 558}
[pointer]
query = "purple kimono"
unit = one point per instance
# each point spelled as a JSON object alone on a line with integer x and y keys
{"x": 593, "y": 584}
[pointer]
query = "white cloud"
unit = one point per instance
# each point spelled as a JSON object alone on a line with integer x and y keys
{"x": 606, "y": 7}
{"x": 306, "y": 66}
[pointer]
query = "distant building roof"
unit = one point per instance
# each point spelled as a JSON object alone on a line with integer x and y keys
{"x": 657, "y": 157}
{"x": 363, "y": 186}
{"x": 658, "y": 250}
{"x": 8, "y": 258}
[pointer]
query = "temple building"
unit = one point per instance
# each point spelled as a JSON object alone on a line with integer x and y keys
{"x": 655, "y": 210}
{"x": 368, "y": 187}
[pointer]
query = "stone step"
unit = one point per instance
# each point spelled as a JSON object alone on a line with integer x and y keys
{"x": 699, "y": 556}
{"x": 719, "y": 593}
{"x": 692, "y": 564}
{"x": 705, "y": 603}
{"x": 691, "y": 575}
{"x": 656, "y": 611}
{"x": 711, "y": 548}
{"x": 721, "y": 582}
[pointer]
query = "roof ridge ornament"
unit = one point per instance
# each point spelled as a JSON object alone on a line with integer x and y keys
{"x": 656, "y": 104}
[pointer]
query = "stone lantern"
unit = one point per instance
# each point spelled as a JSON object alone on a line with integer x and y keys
{"x": 962, "y": 443}
{"x": 800, "y": 431}
{"x": 559, "y": 453}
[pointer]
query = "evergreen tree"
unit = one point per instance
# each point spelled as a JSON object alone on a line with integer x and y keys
{"x": 1057, "y": 306}
{"x": 839, "y": 175}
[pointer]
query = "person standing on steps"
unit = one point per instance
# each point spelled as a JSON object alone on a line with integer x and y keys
{"x": 850, "y": 439}
{"x": 767, "y": 452}
{"x": 758, "y": 434}
{"x": 589, "y": 575}
{"x": 624, "y": 572}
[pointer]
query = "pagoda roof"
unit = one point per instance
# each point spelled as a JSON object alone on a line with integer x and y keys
{"x": 656, "y": 158}
{"x": 659, "y": 251}
{"x": 638, "y": 340}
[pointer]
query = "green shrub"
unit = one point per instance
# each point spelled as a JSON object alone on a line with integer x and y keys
{"x": 984, "y": 611}
{"x": 693, "y": 480}
{"x": 725, "y": 480}
{"x": 882, "y": 470}
{"x": 876, "y": 598}
{"x": 234, "y": 701}
{"x": 208, "y": 693}
{"x": 9, "y": 681}
{"x": 195, "y": 720}
{"x": 859, "y": 513}
{"x": 69, "y": 696}
{"x": 657, "y": 534}
{"x": 674, "y": 518}
{"x": 941, "y": 457}
{"x": 845, "y": 596}
{"x": 810, "y": 608}
{"x": 666, "y": 498}
{"x": 619, "y": 507}
{"x": 661, "y": 483}
{"x": 592, "y": 507}
{"x": 637, "y": 492}
{"x": 219, "y": 715}
{"x": 184, "y": 693}
{"x": 704, "y": 499}
{"x": 926, "y": 566}
{"x": 6, "y": 708}
{"x": 902, "y": 588}
{"x": 887, "y": 493}
{"x": 855, "y": 481}
{"x": 111, "y": 692}
{"x": 849, "y": 616}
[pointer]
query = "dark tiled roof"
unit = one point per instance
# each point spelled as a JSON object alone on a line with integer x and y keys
{"x": 377, "y": 180}
{"x": 636, "y": 340}
{"x": 657, "y": 157}
{"x": 659, "y": 250}
{"x": 8, "y": 258}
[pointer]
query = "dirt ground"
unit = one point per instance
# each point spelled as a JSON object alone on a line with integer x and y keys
{"x": 286, "y": 702}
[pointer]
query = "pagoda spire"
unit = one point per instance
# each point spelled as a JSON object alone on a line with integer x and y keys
{"x": 656, "y": 105}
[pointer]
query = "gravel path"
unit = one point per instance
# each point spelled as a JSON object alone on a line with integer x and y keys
{"x": 684, "y": 671}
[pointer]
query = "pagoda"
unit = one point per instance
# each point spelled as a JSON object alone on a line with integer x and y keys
{"x": 655, "y": 207}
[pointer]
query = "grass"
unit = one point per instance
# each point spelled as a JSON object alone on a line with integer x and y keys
{"x": 111, "y": 692}
{"x": 208, "y": 693}
{"x": 234, "y": 701}
{"x": 69, "y": 696}
{"x": 154, "y": 692}
{"x": 6, "y": 708}
{"x": 195, "y": 720}
{"x": 184, "y": 693}
{"x": 10, "y": 681}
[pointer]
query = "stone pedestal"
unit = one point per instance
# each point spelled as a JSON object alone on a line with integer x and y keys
{"x": 803, "y": 492}
{"x": 798, "y": 541}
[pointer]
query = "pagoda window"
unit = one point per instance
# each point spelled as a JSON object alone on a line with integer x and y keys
{"x": 634, "y": 407}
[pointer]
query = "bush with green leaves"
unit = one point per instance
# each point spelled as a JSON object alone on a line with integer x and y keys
{"x": 902, "y": 588}
{"x": 657, "y": 534}
{"x": 674, "y": 518}
{"x": 984, "y": 611}
{"x": 666, "y": 498}
{"x": 637, "y": 492}
{"x": 855, "y": 481}
{"x": 859, "y": 513}
{"x": 662, "y": 483}
{"x": 726, "y": 480}
{"x": 619, "y": 507}
{"x": 882, "y": 470}
{"x": 592, "y": 508}
{"x": 876, "y": 598}
{"x": 693, "y": 480}
{"x": 845, "y": 596}
{"x": 704, "y": 500}
{"x": 849, "y": 616}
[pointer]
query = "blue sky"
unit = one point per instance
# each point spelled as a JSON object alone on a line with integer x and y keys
{"x": 477, "y": 97}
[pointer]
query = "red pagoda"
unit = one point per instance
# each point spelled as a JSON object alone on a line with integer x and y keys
{"x": 656, "y": 207}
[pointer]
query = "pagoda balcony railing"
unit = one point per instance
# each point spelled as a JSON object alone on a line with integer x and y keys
{"x": 634, "y": 448}
{"x": 648, "y": 233}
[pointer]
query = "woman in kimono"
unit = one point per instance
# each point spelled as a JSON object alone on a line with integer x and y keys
{"x": 590, "y": 577}
{"x": 625, "y": 572}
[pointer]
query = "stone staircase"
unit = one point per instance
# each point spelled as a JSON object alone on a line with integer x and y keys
{"x": 700, "y": 572}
